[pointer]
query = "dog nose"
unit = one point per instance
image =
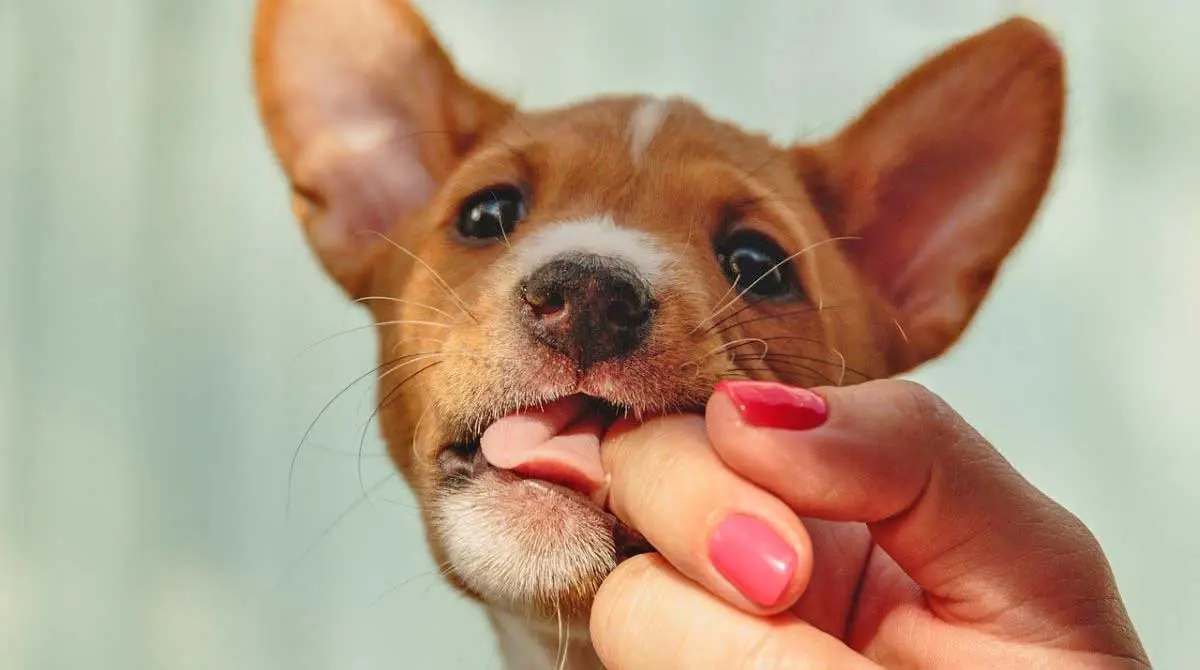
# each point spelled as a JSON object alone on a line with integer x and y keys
{"x": 588, "y": 307}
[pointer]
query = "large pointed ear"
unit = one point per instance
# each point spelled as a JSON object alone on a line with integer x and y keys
{"x": 941, "y": 177}
{"x": 367, "y": 115}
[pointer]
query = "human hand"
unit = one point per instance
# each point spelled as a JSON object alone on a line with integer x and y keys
{"x": 856, "y": 527}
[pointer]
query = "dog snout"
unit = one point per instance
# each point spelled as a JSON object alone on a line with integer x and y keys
{"x": 587, "y": 307}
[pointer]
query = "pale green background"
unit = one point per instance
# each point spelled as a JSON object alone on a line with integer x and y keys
{"x": 155, "y": 295}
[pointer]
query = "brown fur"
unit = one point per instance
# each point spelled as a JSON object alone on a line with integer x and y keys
{"x": 971, "y": 137}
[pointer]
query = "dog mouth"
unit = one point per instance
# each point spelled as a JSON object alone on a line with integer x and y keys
{"x": 553, "y": 446}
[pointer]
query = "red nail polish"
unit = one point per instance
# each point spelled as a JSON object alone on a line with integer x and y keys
{"x": 771, "y": 405}
{"x": 752, "y": 556}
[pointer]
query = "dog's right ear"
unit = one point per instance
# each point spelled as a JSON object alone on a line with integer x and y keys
{"x": 940, "y": 178}
{"x": 367, "y": 115}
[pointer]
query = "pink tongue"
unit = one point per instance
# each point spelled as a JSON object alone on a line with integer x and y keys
{"x": 556, "y": 444}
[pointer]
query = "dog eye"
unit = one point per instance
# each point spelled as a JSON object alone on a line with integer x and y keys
{"x": 491, "y": 213}
{"x": 754, "y": 263}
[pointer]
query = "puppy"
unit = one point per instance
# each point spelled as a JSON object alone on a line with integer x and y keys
{"x": 535, "y": 274}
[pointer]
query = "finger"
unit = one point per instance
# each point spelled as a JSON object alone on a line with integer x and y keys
{"x": 647, "y": 616}
{"x": 937, "y": 497}
{"x": 712, "y": 525}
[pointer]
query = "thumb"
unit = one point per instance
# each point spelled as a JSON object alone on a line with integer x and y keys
{"x": 978, "y": 538}
{"x": 647, "y": 616}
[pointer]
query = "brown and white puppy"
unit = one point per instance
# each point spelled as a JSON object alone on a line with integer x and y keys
{"x": 534, "y": 274}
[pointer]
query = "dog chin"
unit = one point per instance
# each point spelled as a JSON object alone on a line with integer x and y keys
{"x": 526, "y": 546}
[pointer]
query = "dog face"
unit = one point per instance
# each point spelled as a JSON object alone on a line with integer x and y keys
{"x": 623, "y": 255}
{"x": 590, "y": 254}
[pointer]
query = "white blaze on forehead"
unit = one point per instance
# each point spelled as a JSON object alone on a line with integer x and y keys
{"x": 600, "y": 236}
{"x": 644, "y": 125}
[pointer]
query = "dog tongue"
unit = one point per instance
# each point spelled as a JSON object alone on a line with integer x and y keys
{"x": 559, "y": 443}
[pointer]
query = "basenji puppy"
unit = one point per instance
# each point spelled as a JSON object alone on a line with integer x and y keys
{"x": 535, "y": 274}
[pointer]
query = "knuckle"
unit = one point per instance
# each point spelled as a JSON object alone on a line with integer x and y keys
{"x": 915, "y": 399}
{"x": 935, "y": 425}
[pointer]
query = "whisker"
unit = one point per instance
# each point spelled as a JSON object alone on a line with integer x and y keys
{"x": 781, "y": 264}
{"x": 798, "y": 338}
{"x": 404, "y": 301}
{"x": 316, "y": 542}
{"x": 563, "y": 642}
{"x": 369, "y": 326}
{"x": 439, "y": 569}
{"x": 746, "y": 373}
{"x": 417, "y": 430}
{"x": 313, "y": 424}
{"x": 836, "y": 352}
{"x": 363, "y": 438}
{"x": 458, "y": 353}
{"x": 417, "y": 355}
{"x": 793, "y": 364}
{"x": 434, "y": 273}
{"x": 334, "y": 336}
{"x": 338, "y": 452}
{"x": 768, "y": 317}
{"x": 416, "y": 358}
{"x": 841, "y": 363}
{"x": 431, "y": 340}
{"x": 729, "y": 346}
{"x": 732, "y": 288}
{"x": 503, "y": 234}
{"x": 732, "y": 315}
{"x": 413, "y": 322}
{"x": 901, "y": 329}
{"x": 383, "y": 404}
{"x": 398, "y": 503}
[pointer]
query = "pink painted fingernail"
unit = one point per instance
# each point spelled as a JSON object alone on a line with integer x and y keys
{"x": 771, "y": 405}
{"x": 753, "y": 557}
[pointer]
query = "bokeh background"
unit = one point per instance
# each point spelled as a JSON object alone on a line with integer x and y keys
{"x": 157, "y": 305}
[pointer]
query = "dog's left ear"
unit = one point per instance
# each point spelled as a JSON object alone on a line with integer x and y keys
{"x": 942, "y": 176}
{"x": 367, "y": 115}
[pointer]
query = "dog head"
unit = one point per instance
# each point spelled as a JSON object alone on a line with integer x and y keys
{"x": 535, "y": 274}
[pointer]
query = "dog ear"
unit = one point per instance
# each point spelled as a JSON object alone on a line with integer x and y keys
{"x": 367, "y": 114}
{"x": 941, "y": 177}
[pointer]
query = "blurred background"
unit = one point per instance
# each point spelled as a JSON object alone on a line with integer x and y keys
{"x": 157, "y": 304}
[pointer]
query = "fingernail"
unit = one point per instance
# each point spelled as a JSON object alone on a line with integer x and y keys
{"x": 771, "y": 405}
{"x": 748, "y": 553}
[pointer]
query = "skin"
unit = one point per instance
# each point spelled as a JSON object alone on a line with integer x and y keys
{"x": 919, "y": 547}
